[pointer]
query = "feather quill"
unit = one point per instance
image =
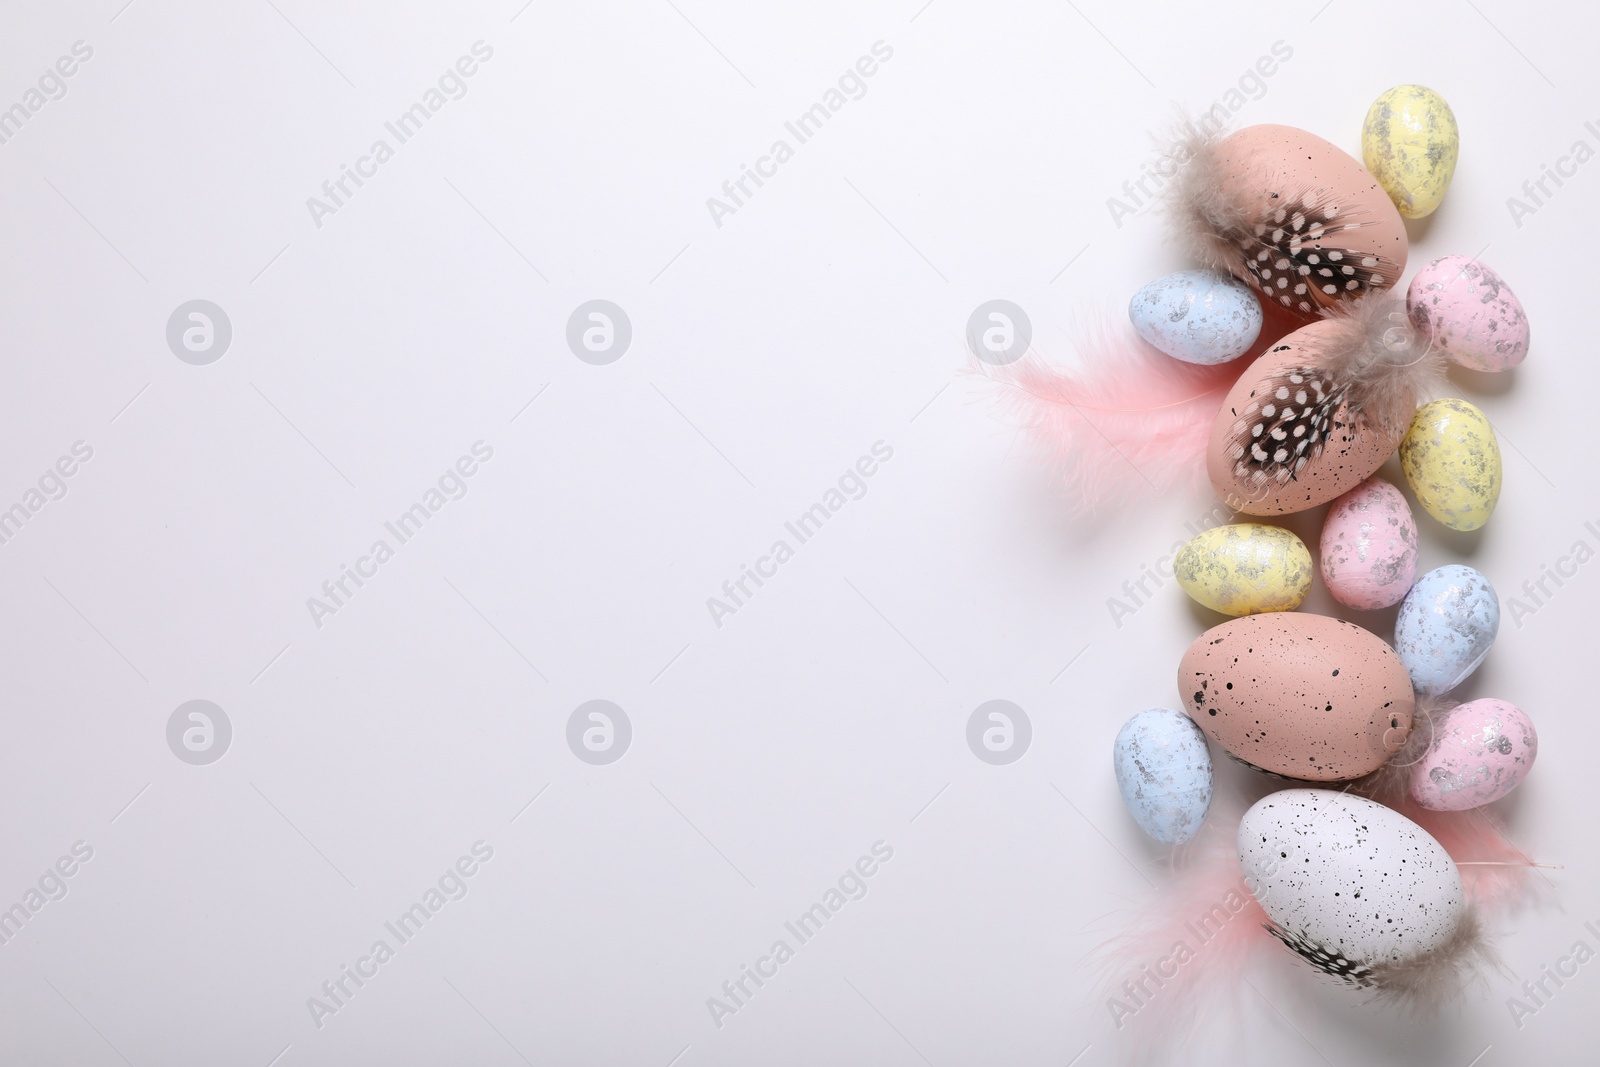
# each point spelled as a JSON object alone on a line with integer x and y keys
{"x": 1496, "y": 873}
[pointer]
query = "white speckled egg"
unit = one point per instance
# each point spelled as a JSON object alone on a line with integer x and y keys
{"x": 1480, "y": 751}
{"x": 1369, "y": 546}
{"x": 1164, "y": 773}
{"x": 1198, "y": 316}
{"x": 1446, "y": 625}
{"x": 1353, "y": 887}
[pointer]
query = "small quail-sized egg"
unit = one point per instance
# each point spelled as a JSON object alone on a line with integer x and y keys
{"x": 1470, "y": 313}
{"x": 1245, "y": 569}
{"x": 1198, "y": 316}
{"x": 1446, "y": 626}
{"x": 1163, "y": 771}
{"x": 1410, "y": 142}
{"x": 1369, "y": 546}
{"x": 1480, "y": 751}
{"x": 1451, "y": 460}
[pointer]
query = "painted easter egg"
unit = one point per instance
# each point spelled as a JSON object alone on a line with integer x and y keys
{"x": 1198, "y": 316}
{"x": 1298, "y": 695}
{"x": 1359, "y": 891}
{"x": 1452, "y": 462}
{"x": 1470, "y": 313}
{"x": 1369, "y": 546}
{"x": 1481, "y": 750}
{"x": 1295, "y": 217}
{"x": 1245, "y": 569}
{"x": 1446, "y": 626}
{"x": 1410, "y": 142}
{"x": 1284, "y": 439}
{"x": 1163, "y": 771}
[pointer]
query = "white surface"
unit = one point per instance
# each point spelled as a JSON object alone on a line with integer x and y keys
{"x": 768, "y": 355}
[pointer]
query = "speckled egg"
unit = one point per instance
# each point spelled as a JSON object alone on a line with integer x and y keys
{"x": 1245, "y": 569}
{"x": 1164, "y": 773}
{"x": 1354, "y": 888}
{"x": 1303, "y": 696}
{"x": 1410, "y": 142}
{"x": 1452, "y": 461}
{"x": 1369, "y": 546}
{"x": 1255, "y": 473}
{"x": 1198, "y": 316}
{"x": 1470, "y": 312}
{"x": 1446, "y": 626}
{"x": 1480, "y": 751}
{"x": 1311, "y": 210}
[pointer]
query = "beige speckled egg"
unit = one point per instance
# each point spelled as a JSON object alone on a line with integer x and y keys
{"x": 1410, "y": 142}
{"x": 1452, "y": 461}
{"x": 1245, "y": 569}
{"x": 1369, "y": 546}
{"x": 1303, "y": 696}
{"x": 1323, "y": 229}
{"x": 1245, "y": 467}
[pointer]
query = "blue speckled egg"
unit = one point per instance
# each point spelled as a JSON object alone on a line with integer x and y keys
{"x": 1164, "y": 772}
{"x": 1445, "y": 627}
{"x": 1198, "y": 316}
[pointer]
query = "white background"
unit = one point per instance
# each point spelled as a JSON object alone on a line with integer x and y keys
{"x": 768, "y": 354}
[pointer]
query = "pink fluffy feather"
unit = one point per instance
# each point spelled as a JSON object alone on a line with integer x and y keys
{"x": 1130, "y": 423}
{"x": 1156, "y": 992}
{"x": 1496, "y": 873}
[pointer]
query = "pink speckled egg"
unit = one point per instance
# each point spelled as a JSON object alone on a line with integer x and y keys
{"x": 1473, "y": 316}
{"x": 1480, "y": 751}
{"x": 1299, "y": 695}
{"x": 1369, "y": 546}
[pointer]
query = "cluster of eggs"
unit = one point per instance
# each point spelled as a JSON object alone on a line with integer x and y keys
{"x": 1306, "y": 697}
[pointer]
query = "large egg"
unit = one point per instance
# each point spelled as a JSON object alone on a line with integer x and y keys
{"x": 1353, "y": 887}
{"x": 1318, "y": 228}
{"x": 1446, "y": 626}
{"x": 1279, "y": 445}
{"x": 1163, "y": 770}
{"x": 1470, "y": 313}
{"x": 1369, "y": 546}
{"x": 1481, "y": 750}
{"x": 1302, "y": 696}
{"x": 1245, "y": 568}
{"x": 1451, "y": 459}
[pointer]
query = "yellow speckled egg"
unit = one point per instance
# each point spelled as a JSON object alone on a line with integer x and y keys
{"x": 1411, "y": 142}
{"x": 1245, "y": 569}
{"x": 1452, "y": 461}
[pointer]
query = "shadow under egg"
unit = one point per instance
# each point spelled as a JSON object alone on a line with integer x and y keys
{"x": 1482, "y": 382}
